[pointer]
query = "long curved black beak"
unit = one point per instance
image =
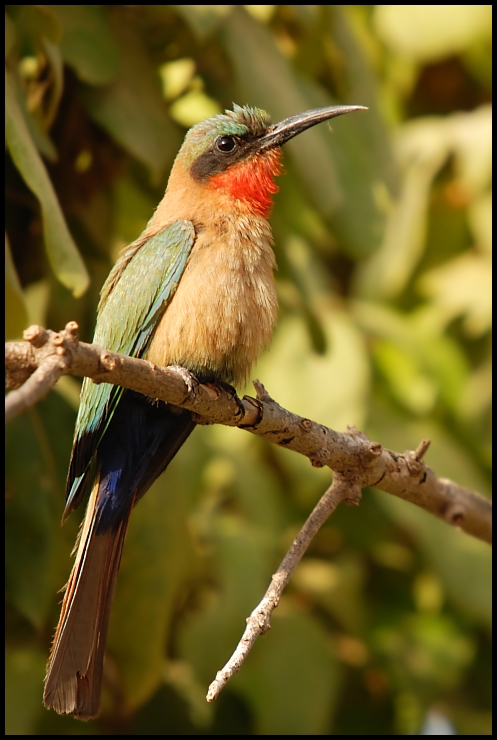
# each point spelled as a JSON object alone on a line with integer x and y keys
{"x": 282, "y": 132}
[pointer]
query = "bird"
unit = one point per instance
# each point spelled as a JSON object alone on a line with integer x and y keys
{"x": 196, "y": 289}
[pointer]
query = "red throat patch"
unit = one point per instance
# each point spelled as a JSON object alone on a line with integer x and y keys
{"x": 252, "y": 181}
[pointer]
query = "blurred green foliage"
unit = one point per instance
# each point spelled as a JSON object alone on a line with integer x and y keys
{"x": 382, "y": 231}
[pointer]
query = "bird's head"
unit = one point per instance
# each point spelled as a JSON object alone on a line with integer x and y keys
{"x": 239, "y": 151}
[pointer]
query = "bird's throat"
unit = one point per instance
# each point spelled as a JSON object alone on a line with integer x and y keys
{"x": 251, "y": 182}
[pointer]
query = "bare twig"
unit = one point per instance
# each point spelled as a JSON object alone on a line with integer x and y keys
{"x": 259, "y": 621}
{"x": 349, "y": 454}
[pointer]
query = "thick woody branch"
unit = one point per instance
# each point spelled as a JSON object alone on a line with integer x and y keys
{"x": 351, "y": 454}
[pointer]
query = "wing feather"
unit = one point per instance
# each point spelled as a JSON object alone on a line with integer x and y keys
{"x": 134, "y": 298}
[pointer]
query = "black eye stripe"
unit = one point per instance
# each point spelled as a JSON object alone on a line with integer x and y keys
{"x": 226, "y": 144}
{"x": 225, "y": 151}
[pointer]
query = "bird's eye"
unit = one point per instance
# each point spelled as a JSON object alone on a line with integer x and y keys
{"x": 226, "y": 144}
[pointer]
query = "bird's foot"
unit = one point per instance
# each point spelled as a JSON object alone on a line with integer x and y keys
{"x": 190, "y": 380}
{"x": 226, "y": 387}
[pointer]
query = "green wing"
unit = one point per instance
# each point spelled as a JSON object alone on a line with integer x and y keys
{"x": 134, "y": 299}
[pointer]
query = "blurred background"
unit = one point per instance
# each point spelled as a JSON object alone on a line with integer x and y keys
{"x": 382, "y": 229}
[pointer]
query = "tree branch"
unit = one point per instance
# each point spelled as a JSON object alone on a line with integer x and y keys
{"x": 34, "y": 366}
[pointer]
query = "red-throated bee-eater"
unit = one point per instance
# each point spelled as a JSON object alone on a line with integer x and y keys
{"x": 196, "y": 289}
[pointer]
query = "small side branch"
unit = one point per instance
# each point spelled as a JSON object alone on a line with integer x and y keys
{"x": 49, "y": 369}
{"x": 259, "y": 621}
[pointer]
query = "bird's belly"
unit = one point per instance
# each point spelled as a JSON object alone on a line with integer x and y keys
{"x": 220, "y": 318}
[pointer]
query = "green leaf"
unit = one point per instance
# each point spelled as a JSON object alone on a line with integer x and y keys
{"x": 463, "y": 563}
{"x": 132, "y": 109}
{"x": 30, "y": 546}
{"x": 427, "y": 33}
{"x": 36, "y": 22}
{"x": 24, "y": 671}
{"x": 87, "y": 43}
{"x": 41, "y": 139}
{"x": 39, "y": 32}
{"x": 156, "y": 560}
{"x": 16, "y": 316}
{"x": 133, "y": 206}
{"x": 64, "y": 257}
{"x": 203, "y": 19}
{"x": 424, "y": 145}
{"x": 462, "y": 287}
{"x": 10, "y": 35}
{"x": 242, "y": 574}
{"x": 54, "y": 59}
{"x": 343, "y": 370}
{"x": 336, "y": 168}
{"x": 421, "y": 362}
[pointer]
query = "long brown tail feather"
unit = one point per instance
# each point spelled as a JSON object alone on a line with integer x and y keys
{"x": 75, "y": 666}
